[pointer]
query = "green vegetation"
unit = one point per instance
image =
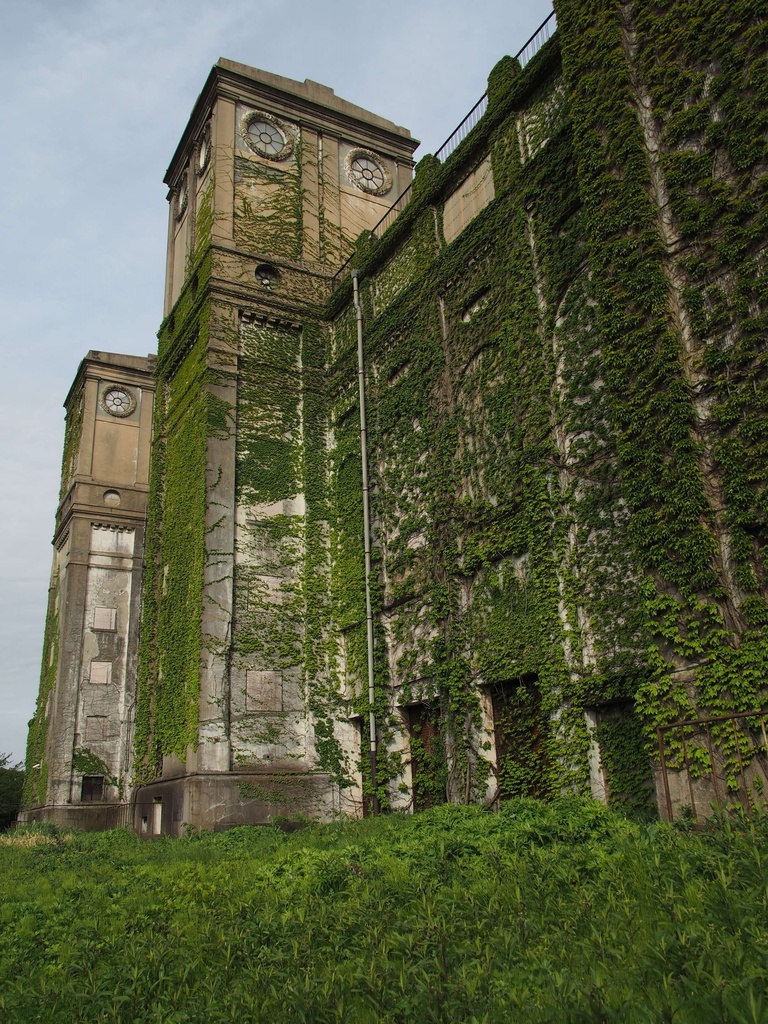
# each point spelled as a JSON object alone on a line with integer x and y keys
{"x": 85, "y": 762}
{"x": 36, "y": 778}
{"x": 501, "y": 527}
{"x": 568, "y": 429}
{"x": 11, "y": 786}
{"x": 671, "y": 117}
{"x": 543, "y": 912}
{"x": 73, "y": 432}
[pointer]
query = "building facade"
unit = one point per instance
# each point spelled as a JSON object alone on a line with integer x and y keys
{"x": 80, "y": 751}
{"x": 561, "y": 326}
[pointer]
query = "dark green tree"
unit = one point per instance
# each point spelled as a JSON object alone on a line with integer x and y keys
{"x": 11, "y": 784}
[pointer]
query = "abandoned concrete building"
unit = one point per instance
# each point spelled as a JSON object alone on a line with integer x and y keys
{"x": 445, "y": 486}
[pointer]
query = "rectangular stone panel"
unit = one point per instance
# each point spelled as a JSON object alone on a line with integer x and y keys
{"x": 104, "y": 618}
{"x": 263, "y": 691}
{"x": 101, "y": 673}
{"x": 472, "y": 196}
{"x": 95, "y": 728}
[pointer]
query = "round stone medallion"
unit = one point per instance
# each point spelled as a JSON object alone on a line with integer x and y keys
{"x": 118, "y": 400}
{"x": 366, "y": 171}
{"x": 266, "y": 135}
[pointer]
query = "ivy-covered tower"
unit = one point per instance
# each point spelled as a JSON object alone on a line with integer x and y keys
{"x": 562, "y": 334}
{"x": 272, "y": 182}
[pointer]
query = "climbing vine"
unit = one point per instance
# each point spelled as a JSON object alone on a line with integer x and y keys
{"x": 85, "y": 762}
{"x": 500, "y": 527}
{"x": 671, "y": 142}
{"x": 567, "y": 437}
{"x": 36, "y": 773}
{"x": 269, "y": 206}
{"x": 169, "y": 654}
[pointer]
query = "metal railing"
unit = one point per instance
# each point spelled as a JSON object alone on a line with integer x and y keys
{"x": 526, "y": 52}
{"x": 544, "y": 32}
{"x": 749, "y": 746}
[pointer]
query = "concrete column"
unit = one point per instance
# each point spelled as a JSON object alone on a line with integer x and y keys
{"x": 310, "y": 184}
{"x": 223, "y": 141}
{"x": 213, "y": 752}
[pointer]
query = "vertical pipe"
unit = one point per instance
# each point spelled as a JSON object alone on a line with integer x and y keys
{"x": 714, "y": 773}
{"x": 688, "y": 773}
{"x": 663, "y": 763}
{"x": 741, "y": 767}
{"x": 366, "y": 534}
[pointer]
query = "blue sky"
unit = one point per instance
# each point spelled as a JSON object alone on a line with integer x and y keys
{"x": 96, "y": 95}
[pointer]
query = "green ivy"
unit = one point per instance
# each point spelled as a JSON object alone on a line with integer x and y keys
{"x": 36, "y": 772}
{"x": 567, "y": 429}
{"x": 73, "y": 432}
{"x": 672, "y": 115}
{"x": 85, "y": 762}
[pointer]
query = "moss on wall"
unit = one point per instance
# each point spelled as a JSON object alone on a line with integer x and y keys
{"x": 36, "y": 773}
{"x": 73, "y": 432}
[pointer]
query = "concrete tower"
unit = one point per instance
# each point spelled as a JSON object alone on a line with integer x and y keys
{"x": 271, "y": 184}
{"x": 80, "y": 756}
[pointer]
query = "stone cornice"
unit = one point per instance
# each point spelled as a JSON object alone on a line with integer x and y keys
{"x": 113, "y": 367}
{"x": 311, "y": 105}
{"x": 118, "y": 519}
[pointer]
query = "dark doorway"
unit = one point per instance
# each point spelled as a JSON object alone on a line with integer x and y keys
{"x": 92, "y": 789}
{"x": 521, "y": 731}
{"x": 427, "y": 757}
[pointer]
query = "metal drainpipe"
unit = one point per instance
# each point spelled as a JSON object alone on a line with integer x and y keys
{"x": 366, "y": 534}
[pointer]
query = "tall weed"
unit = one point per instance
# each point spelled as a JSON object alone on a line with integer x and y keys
{"x": 543, "y": 912}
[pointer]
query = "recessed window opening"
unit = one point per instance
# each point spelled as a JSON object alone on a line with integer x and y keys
{"x": 521, "y": 732}
{"x": 426, "y": 755}
{"x": 267, "y": 276}
{"x": 92, "y": 789}
{"x": 475, "y": 305}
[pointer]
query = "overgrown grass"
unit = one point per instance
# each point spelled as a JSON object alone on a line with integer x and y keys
{"x": 544, "y": 912}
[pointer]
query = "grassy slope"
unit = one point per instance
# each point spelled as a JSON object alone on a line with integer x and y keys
{"x": 559, "y": 912}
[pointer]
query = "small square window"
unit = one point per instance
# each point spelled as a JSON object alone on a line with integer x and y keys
{"x": 101, "y": 673}
{"x": 104, "y": 618}
{"x": 92, "y": 789}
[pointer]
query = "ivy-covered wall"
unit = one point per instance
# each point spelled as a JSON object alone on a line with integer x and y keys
{"x": 671, "y": 104}
{"x": 567, "y": 436}
{"x": 269, "y": 619}
{"x": 566, "y": 432}
{"x": 269, "y": 205}
{"x": 36, "y": 774}
{"x": 73, "y": 433}
{"x": 169, "y": 656}
{"x": 507, "y": 588}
